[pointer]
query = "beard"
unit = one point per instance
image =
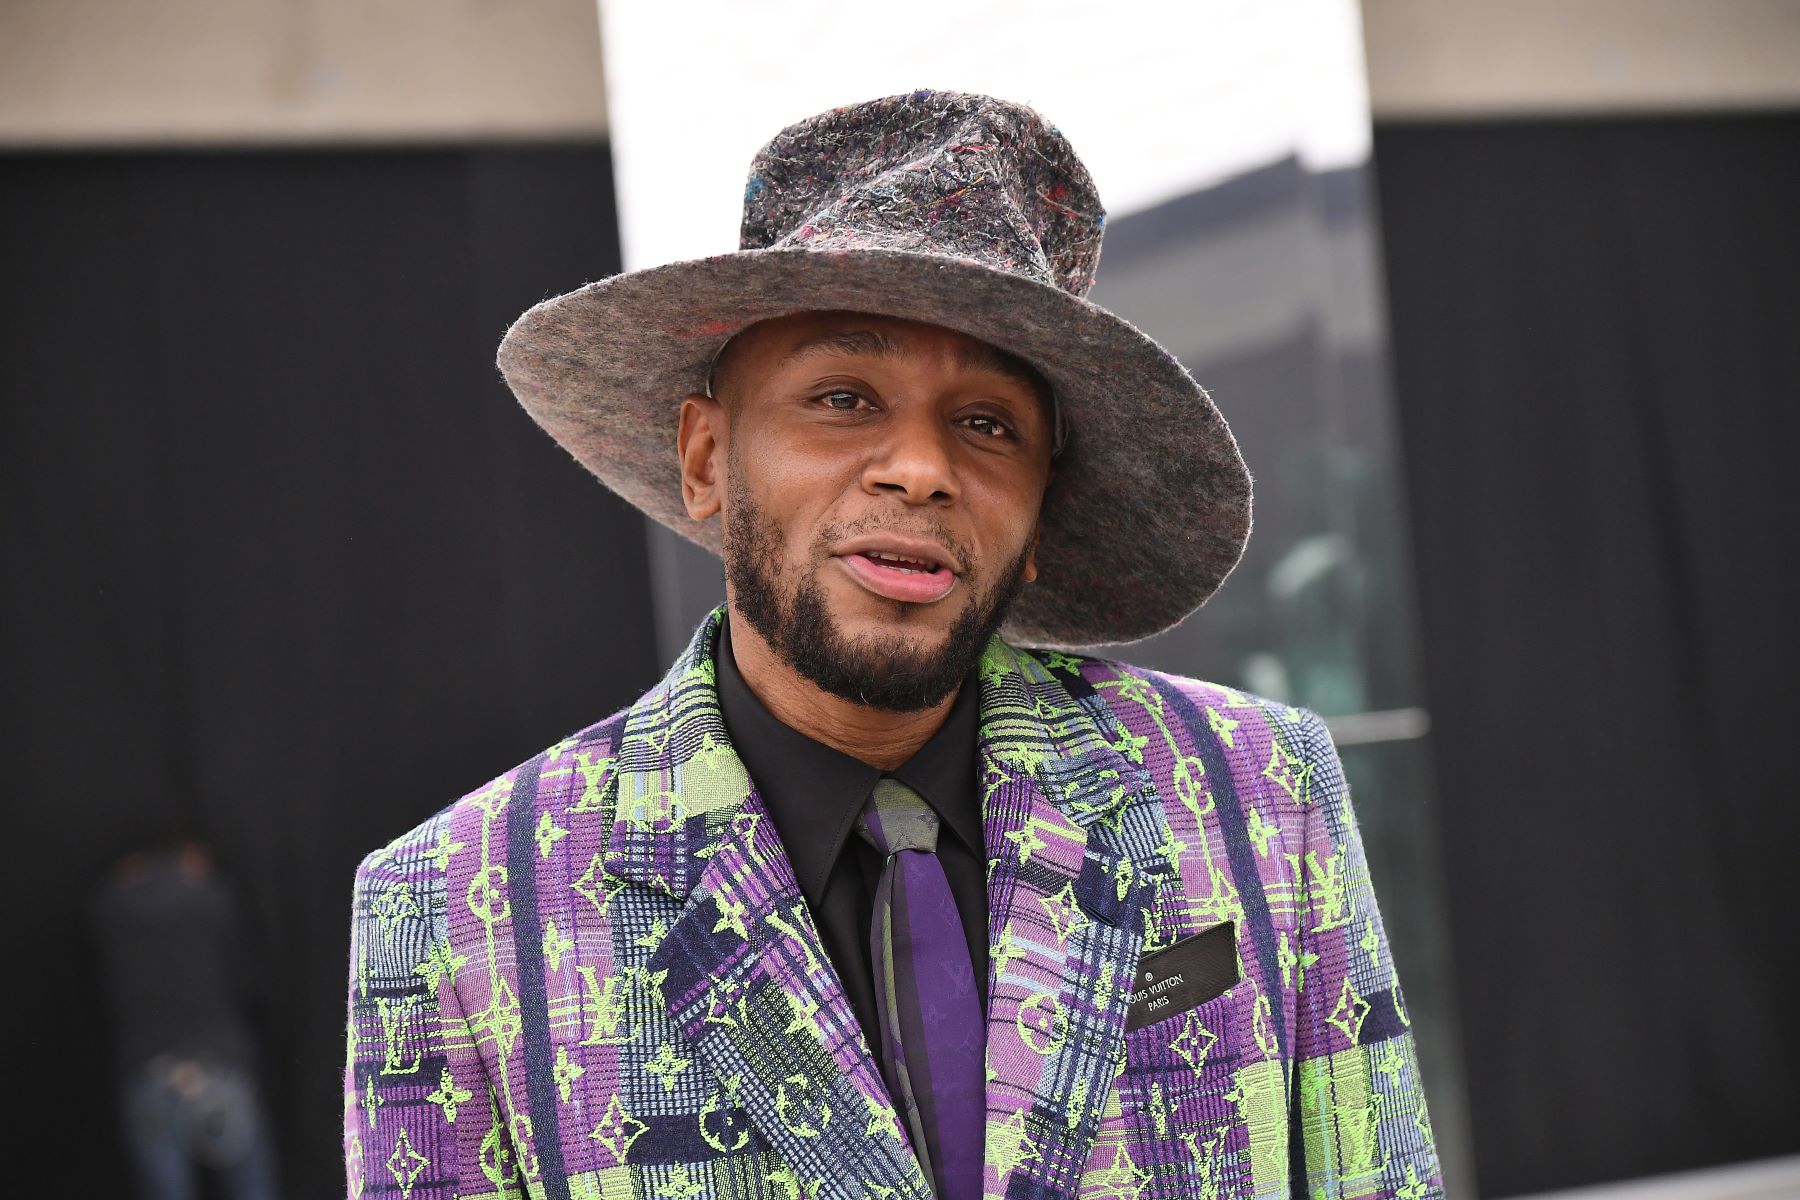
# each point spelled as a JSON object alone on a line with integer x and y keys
{"x": 886, "y": 672}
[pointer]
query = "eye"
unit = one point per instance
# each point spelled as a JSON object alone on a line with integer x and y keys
{"x": 989, "y": 426}
{"x": 841, "y": 400}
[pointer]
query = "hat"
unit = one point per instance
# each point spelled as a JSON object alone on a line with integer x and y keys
{"x": 957, "y": 210}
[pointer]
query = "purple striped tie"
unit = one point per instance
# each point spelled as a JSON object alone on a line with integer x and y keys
{"x": 931, "y": 1026}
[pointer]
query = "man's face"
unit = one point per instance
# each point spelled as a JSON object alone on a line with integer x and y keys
{"x": 879, "y": 482}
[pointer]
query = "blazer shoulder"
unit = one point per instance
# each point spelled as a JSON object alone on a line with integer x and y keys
{"x": 1284, "y": 748}
{"x": 433, "y": 842}
{"x": 1107, "y": 674}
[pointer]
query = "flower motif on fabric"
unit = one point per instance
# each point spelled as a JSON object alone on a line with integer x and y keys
{"x": 617, "y": 1129}
{"x": 667, "y": 1066}
{"x": 448, "y": 1096}
{"x": 1065, "y": 915}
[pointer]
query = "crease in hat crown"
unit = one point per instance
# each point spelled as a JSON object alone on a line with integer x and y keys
{"x": 947, "y": 208}
{"x": 930, "y": 172}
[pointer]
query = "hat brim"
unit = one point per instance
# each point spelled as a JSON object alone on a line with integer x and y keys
{"x": 1150, "y": 508}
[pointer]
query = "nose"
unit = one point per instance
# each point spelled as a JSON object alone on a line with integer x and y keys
{"x": 911, "y": 458}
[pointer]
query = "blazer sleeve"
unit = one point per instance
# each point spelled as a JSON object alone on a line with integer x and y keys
{"x": 419, "y": 1117}
{"x": 1361, "y": 1121}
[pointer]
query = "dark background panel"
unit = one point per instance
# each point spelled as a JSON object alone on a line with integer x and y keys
{"x": 1597, "y": 367}
{"x": 285, "y": 561}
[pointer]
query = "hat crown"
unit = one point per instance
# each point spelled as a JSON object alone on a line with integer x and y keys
{"x": 928, "y": 172}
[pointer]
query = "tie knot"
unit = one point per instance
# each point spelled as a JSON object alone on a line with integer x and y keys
{"x": 897, "y": 818}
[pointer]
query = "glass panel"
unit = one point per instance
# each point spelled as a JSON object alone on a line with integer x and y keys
{"x": 1266, "y": 288}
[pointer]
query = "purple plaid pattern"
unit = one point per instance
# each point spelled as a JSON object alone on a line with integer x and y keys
{"x": 925, "y": 991}
{"x": 595, "y": 978}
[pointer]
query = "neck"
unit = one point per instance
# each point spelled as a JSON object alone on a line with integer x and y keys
{"x": 876, "y": 736}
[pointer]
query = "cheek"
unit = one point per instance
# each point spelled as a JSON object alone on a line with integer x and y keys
{"x": 1006, "y": 514}
{"x": 796, "y": 494}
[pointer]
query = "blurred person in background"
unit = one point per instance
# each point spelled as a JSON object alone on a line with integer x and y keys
{"x": 178, "y": 981}
{"x": 863, "y": 899}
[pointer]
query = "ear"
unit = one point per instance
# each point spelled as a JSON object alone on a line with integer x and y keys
{"x": 700, "y": 444}
{"x": 1037, "y": 533}
{"x": 1031, "y": 571}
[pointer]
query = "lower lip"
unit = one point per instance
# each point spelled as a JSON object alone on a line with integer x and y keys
{"x": 913, "y": 587}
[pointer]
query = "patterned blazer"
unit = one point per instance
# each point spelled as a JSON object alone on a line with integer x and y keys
{"x": 596, "y": 976}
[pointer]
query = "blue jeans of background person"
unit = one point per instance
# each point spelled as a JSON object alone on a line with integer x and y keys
{"x": 186, "y": 1116}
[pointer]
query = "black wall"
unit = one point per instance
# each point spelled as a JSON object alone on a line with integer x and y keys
{"x": 1596, "y": 339}
{"x": 284, "y": 560}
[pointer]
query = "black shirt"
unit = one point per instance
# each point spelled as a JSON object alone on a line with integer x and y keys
{"x": 174, "y": 956}
{"x": 813, "y": 794}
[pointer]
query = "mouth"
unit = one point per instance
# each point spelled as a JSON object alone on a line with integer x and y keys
{"x": 914, "y": 573}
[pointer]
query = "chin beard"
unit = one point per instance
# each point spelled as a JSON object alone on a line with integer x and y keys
{"x": 886, "y": 672}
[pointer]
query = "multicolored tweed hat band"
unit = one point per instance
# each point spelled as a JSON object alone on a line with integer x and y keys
{"x": 954, "y": 209}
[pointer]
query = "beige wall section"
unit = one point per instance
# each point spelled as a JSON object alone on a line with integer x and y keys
{"x": 107, "y": 72}
{"x": 81, "y": 72}
{"x": 1454, "y": 58}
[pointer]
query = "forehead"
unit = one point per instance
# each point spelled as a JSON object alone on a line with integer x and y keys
{"x": 796, "y": 339}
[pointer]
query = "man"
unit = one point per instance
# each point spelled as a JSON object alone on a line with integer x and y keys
{"x": 170, "y": 941}
{"x": 863, "y": 900}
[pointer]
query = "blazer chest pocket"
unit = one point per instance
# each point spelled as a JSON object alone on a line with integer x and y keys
{"x": 1185, "y": 975}
{"x": 1186, "y": 1049}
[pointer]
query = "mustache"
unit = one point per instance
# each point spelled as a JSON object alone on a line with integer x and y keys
{"x": 934, "y": 528}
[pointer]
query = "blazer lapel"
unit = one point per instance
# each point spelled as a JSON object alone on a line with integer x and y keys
{"x": 742, "y": 969}
{"x": 1075, "y": 835}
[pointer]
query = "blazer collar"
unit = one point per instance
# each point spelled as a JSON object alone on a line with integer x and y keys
{"x": 678, "y": 780}
{"x": 1077, "y": 841}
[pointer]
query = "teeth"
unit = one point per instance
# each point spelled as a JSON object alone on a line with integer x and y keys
{"x": 883, "y": 556}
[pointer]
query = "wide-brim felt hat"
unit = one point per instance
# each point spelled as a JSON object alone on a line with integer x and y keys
{"x": 954, "y": 209}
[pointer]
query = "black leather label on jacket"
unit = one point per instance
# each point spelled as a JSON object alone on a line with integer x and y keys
{"x": 1176, "y": 978}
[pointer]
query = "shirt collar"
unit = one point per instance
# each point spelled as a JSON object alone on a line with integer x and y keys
{"x": 808, "y": 785}
{"x": 943, "y": 769}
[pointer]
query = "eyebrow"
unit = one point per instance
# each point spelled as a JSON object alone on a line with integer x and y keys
{"x": 873, "y": 343}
